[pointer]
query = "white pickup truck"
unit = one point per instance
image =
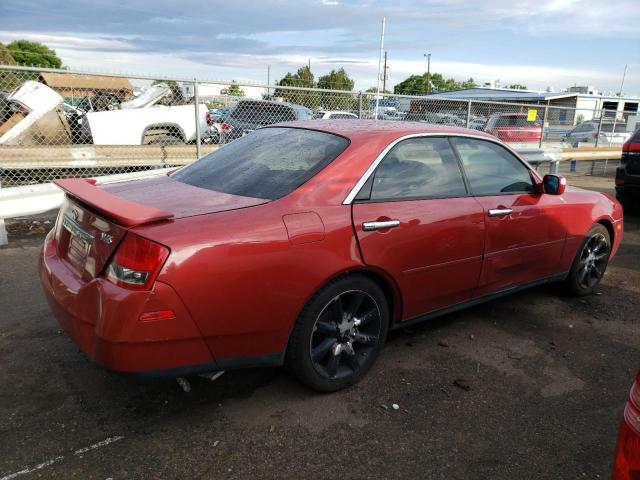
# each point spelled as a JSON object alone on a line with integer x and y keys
{"x": 138, "y": 124}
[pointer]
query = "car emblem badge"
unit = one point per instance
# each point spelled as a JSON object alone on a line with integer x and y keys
{"x": 75, "y": 214}
{"x": 106, "y": 238}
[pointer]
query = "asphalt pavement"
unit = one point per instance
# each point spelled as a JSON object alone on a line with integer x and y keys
{"x": 531, "y": 386}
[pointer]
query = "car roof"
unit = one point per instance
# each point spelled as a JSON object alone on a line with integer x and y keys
{"x": 354, "y": 129}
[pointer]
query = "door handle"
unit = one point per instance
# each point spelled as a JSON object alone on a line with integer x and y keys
{"x": 370, "y": 226}
{"x": 500, "y": 212}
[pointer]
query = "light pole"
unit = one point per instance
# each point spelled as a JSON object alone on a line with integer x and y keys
{"x": 428, "y": 57}
{"x": 624, "y": 74}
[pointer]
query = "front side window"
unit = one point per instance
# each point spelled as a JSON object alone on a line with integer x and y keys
{"x": 418, "y": 168}
{"x": 491, "y": 169}
{"x": 268, "y": 163}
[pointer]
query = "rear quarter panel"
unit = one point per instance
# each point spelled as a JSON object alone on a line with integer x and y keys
{"x": 241, "y": 277}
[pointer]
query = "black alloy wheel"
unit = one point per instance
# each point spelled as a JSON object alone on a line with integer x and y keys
{"x": 339, "y": 333}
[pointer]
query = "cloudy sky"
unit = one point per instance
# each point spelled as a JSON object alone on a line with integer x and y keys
{"x": 538, "y": 43}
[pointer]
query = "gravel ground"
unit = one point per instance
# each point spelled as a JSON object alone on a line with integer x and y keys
{"x": 528, "y": 386}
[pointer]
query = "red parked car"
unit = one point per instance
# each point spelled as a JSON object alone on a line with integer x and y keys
{"x": 626, "y": 463}
{"x": 306, "y": 242}
{"x": 514, "y": 127}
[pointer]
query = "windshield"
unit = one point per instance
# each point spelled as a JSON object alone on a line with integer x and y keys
{"x": 268, "y": 163}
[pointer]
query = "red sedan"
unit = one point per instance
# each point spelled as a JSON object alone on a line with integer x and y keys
{"x": 305, "y": 243}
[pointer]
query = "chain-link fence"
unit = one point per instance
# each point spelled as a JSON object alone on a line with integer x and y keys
{"x": 57, "y": 123}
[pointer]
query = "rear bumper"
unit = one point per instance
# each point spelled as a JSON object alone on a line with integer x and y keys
{"x": 102, "y": 319}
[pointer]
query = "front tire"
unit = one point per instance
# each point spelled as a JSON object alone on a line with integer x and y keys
{"x": 590, "y": 262}
{"x": 339, "y": 334}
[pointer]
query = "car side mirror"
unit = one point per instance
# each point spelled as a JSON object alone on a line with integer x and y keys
{"x": 554, "y": 184}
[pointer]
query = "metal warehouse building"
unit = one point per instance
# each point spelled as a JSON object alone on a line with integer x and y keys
{"x": 586, "y": 104}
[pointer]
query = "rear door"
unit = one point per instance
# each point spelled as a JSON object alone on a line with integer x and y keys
{"x": 415, "y": 220}
{"x": 525, "y": 230}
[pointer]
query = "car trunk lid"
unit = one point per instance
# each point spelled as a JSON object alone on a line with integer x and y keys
{"x": 93, "y": 220}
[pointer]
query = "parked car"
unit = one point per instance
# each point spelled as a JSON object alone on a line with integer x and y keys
{"x": 304, "y": 243}
{"x": 477, "y": 122}
{"x": 333, "y": 115}
{"x": 626, "y": 461}
{"x": 587, "y": 132}
{"x": 219, "y": 114}
{"x": 249, "y": 115}
{"x": 514, "y": 127}
{"x": 628, "y": 174}
{"x": 436, "y": 118}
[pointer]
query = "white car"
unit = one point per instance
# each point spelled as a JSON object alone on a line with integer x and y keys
{"x": 332, "y": 115}
{"x": 587, "y": 132}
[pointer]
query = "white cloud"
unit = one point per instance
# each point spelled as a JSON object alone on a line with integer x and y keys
{"x": 55, "y": 40}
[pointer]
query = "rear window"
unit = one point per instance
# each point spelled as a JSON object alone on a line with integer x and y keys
{"x": 515, "y": 121}
{"x": 268, "y": 163}
{"x": 263, "y": 113}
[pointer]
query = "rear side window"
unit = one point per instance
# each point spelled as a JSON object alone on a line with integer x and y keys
{"x": 491, "y": 169}
{"x": 418, "y": 168}
{"x": 268, "y": 163}
{"x": 263, "y": 112}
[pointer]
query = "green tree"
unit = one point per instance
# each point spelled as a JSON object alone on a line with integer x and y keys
{"x": 8, "y": 79}
{"x": 413, "y": 85}
{"x": 517, "y": 86}
{"x": 5, "y": 56}
{"x": 302, "y": 78}
{"x": 417, "y": 84}
{"x": 337, "y": 80}
{"x": 375, "y": 90}
{"x": 234, "y": 90}
{"x": 33, "y": 53}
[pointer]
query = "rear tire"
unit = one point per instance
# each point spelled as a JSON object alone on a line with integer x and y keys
{"x": 339, "y": 334}
{"x": 590, "y": 262}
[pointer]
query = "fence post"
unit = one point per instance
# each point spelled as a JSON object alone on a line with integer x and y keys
{"x": 544, "y": 121}
{"x": 360, "y": 104}
{"x": 468, "y": 113}
{"x": 4, "y": 239}
{"x": 196, "y": 100}
{"x": 602, "y": 113}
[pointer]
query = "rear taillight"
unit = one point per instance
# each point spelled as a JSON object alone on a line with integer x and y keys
{"x": 137, "y": 262}
{"x": 226, "y": 127}
{"x": 208, "y": 118}
{"x": 631, "y": 147}
{"x": 619, "y": 181}
{"x": 626, "y": 464}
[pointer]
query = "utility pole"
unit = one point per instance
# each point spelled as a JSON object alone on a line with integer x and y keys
{"x": 384, "y": 21}
{"x": 384, "y": 74}
{"x": 268, "y": 80}
{"x": 624, "y": 74}
{"x": 428, "y": 57}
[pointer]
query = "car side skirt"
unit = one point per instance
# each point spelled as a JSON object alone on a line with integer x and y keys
{"x": 477, "y": 301}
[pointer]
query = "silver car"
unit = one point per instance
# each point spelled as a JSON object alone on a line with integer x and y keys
{"x": 587, "y": 132}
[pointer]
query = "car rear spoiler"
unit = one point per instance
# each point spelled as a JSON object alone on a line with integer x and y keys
{"x": 116, "y": 208}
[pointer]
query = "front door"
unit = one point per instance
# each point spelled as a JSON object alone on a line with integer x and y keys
{"x": 525, "y": 230}
{"x": 415, "y": 219}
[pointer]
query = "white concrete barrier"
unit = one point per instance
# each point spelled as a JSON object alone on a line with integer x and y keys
{"x": 34, "y": 199}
